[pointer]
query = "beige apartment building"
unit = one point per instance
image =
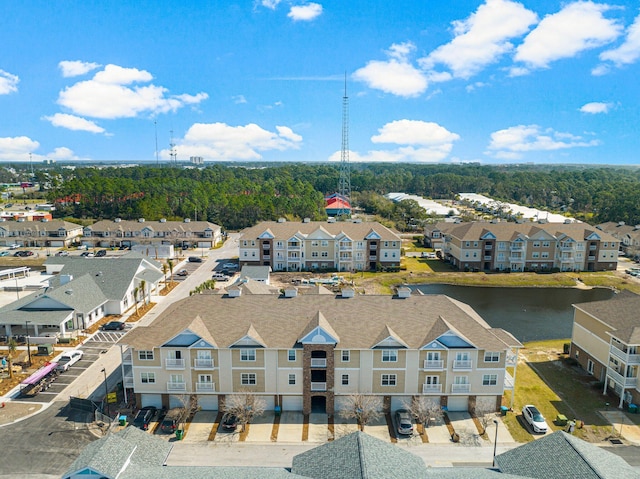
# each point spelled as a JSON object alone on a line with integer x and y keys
{"x": 320, "y": 245}
{"x": 606, "y": 342}
{"x": 503, "y": 246}
{"x": 308, "y": 352}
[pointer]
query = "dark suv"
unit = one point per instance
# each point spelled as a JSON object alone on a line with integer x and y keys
{"x": 173, "y": 419}
{"x": 144, "y": 417}
{"x": 195, "y": 259}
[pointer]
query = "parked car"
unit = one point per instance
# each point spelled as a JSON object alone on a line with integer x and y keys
{"x": 230, "y": 265}
{"x": 404, "y": 424}
{"x": 195, "y": 259}
{"x": 534, "y": 419}
{"x": 229, "y": 422}
{"x": 220, "y": 277}
{"x": 173, "y": 419}
{"x": 101, "y": 253}
{"x": 14, "y": 246}
{"x": 87, "y": 254}
{"x": 69, "y": 359}
{"x": 21, "y": 254}
{"x": 113, "y": 326}
{"x": 183, "y": 272}
{"x": 4, "y": 253}
{"x": 144, "y": 417}
{"x": 62, "y": 253}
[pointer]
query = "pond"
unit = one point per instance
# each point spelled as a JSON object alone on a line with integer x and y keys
{"x": 530, "y": 314}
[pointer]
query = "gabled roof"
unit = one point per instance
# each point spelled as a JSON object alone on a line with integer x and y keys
{"x": 619, "y": 312}
{"x": 251, "y": 336}
{"x": 286, "y": 229}
{"x": 318, "y": 325}
{"x": 389, "y": 337}
{"x": 358, "y": 456}
{"x": 556, "y": 454}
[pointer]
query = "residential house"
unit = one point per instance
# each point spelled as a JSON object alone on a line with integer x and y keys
{"x": 183, "y": 234}
{"x": 606, "y": 342}
{"x": 625, "y": 234}
{"x": 256, "y": 273}
{"x": 310, "y": 351}
{"x": 44, "y": 233}
{"x": 503, "y": 246}
{"x": 320, "y": 245}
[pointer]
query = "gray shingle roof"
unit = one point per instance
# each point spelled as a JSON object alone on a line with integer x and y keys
{"x": 358, "y": 456}
{"x": 166, "y": 226}
{"x": 620, "y": 313}
{"x": 285, "y": 230}
{"x": 560, "y": 455}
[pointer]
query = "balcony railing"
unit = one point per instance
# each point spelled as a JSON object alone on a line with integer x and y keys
{"x": 460, "y": 388}
{"x": 373, "y": 258}
{"x": 205, "y": 387}
{"x": 509, "y": 382}
{"x": 462, "y": 364}
{"x": 433, "y": 364}
{"x": 318, "y": 362}
{"x": 127, "y": 381}
{"x": 266, "y": 256}
{"x": 620, "y": 379}
{"x": 175, "y": 386}
{"x": 373, "y": 247}
{"x": 621, "y": 354}
{"x": 174, "y": 363}
{"x": 127, "y": 357}
{"x": 592, "y": 258}
{"x": 203, "y": 363}
{"x": 431, "y": 388}
{"x": 293, "y": 245}
{"x": 318, "y": 386}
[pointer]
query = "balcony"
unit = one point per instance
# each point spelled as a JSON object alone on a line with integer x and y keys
{"x": 205, "y": 387}
{"x": 373, "y": 258}
{"x": 509, "y": 382}
{"x": 203, "y": 363}
{"x": 516, "y": 258}
{"x": 624, "y": 356}
{"x": 127, "y": 381}
{"x": 176, "y": 386}
{"x": 460, "y": 388}
{"x": 174, "y": 363}
{"x": 318, "y": 362}
{"x": 620, "y": 379}
{"x": 431, "y": 388}
{"x": 373, "y": 247}
{"x": 516, "y": 248}
{"x": 318, "y": 386}
{"x": 591, "y": 258}
{"x": 266, "y": 256}
{"x": 127, "y": 357}
{"x": 487, "y": 258}
{"x": 488, "y": 247}
{"x": 462, "y": 364}
{"x": 345, "y": 247}
{"x": 295, "y": 246}
{"x": 434, "y": 364}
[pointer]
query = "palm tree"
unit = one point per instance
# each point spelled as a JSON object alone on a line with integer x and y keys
{"x": 135, "y": 297}
{"x": 165, "y": 268}
{"x": 13, "y": 346}
{"x": 143, "y": 291}
{"x": 170, "y": 264}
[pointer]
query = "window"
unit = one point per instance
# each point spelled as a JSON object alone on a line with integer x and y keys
{"x": 345, "y": 379}
{"x": 388, "y": 379}
{"x": 324, "y": 243}
{"x": 248, "y": 379}
{"x": 545, "y": 254}
{"x": 148, "y": 378}
{"x": 389, "y": 356}
{"x": 292, "y": 379}
{"x": 346, "y": 356}
{"x": 292, "y": 355}
{"x": 314, "y": 254}
{"x": 247, "y": 355}
{"x": 535, "y": 255}
{"x": 489, "y": 379}
{"x": 145, "y": 355}
{"x": 536, "y": 244}
{"x": 546, "y": 244}
{"x": 324, "y": 254}
{"x": 589, "y": 366}
{"x": 491, "y": 357}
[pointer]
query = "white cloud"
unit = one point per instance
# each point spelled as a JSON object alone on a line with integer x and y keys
{"x": 8, "y": 83}
{"x": 72, "y": 122}
{"x": 239, "y": 99}
{"x": 219, "y": 141}
{"x": 577, "y": 27}
{"x": 17, "y": 148}
{"x": 396, "y": 76}
{"x": 76, "y": 68}
{"x": 596, "y": 107}
{"x": 271, "y": 4}
{"x": 414, "y": 132}
{"x": 512, "y": 141}
{"x": 406, "y": 154}
{"x": 482, "y": 38}
{"x": 62, "y": 153}
{"x": 306, "y": 13}
{"x": 107, "y": 95}
{"x": 629, "y": 51}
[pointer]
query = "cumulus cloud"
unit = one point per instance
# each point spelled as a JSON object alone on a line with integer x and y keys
{"x": 8, "y": 83}
{"x": 513, "y": 141}
{"x": 76, "y": 67}
{"x": 396, "y": 75}
{"x": 239, "y": 99}
{"x": 577, "y": 27}
{"x": 629, "y": 51}
{"x": 108, "y": 95}
{"x": 17, "y": 148}
{"x": 72, "y": 122}
{"x": 305, "y": 13}
{"x": 219, "y": 141}
{"x": 595, "y": 107}
{"x": 482, "y": 38}
{"x": 271, "y": 4}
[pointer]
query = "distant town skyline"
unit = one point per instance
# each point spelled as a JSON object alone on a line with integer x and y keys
{"x": 498, "y": 81}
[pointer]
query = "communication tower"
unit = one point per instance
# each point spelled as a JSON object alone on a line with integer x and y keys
{"x": 173, "y": 156}
{"x": 344, "y": 183}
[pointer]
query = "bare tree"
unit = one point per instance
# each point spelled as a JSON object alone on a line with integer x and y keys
{"x": 423, "y": 409}
{"x": 363, "y": 408}
{"x": 244, "y": 405}
{"x": 190, "y": 406}
{"x": 484, "y": 416}
{"x": 13, "y": 346}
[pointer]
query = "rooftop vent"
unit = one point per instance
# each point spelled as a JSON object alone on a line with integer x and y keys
{"x": 44, "y": 220}
{"x": 348, "y": 292}
{"x": 69, "y": 292}
{"x": 306, "y": 220}
{"x": 117, "y": 220}
{"x": 567, "y": 221}
{"x": 357, "y": 220}
{"x": 140, "y": 220}
{"x": 282, "y": 220}
{"x": 290, "y": 292}
{"x": 234, "y": 292}
{"x": 65, "y": 278}
{"x": 331, "y": 219}
{"x": 404, "y": 292}
{"x": 163, "y": 220}
{"x": 621, "y": 223}
{"x": 187, "y": 220}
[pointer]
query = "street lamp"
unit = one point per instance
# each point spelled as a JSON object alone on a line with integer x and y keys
{"x": 106, "y": 391}
{"x": 26, "y": 327}
{"x": 495, "y": 442}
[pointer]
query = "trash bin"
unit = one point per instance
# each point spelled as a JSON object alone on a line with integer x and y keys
{"x": 633, "y": 408}
{"x": 277, "y": 410}
{"x": 503, "y": 410}
{"x": 123, "y": 420}
{"x": 179, "y": 434}
{"x": 561, "y": 420}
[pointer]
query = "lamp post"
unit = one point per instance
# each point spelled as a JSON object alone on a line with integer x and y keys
{"x": 26, "y": 327}
{"x": 106, "y": 391}
{"x": 495, "y": 442}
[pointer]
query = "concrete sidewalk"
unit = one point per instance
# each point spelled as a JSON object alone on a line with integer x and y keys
{"x": 622, "y": 425}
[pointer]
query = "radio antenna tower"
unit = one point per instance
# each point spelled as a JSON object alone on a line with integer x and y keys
{"x": 344, "y": 183}
{"x": 155, "y": 127}
{"x": 172, "y": 152}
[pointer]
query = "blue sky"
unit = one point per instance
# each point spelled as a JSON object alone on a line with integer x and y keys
{"x": 428, "y": 81}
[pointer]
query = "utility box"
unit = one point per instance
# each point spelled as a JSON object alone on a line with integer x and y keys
{"x": 45, "y": 349}
{"x": 633, "y": 408}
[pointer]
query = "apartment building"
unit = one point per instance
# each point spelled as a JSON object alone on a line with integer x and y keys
{"x": 502, "y": 246}
{"x": 308, "y": 352}
{"x": 606, "y": 343}
{"x": 43, "y": 233}
{"x": 119, "y": 232}
{"x": 320, "y": 245}
{"x": 629, "y": 236}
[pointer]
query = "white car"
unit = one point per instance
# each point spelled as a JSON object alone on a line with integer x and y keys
{"x": 220, "y": 277}
{"x": 69, "y": 359}
{"x": 533, "y": 418}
